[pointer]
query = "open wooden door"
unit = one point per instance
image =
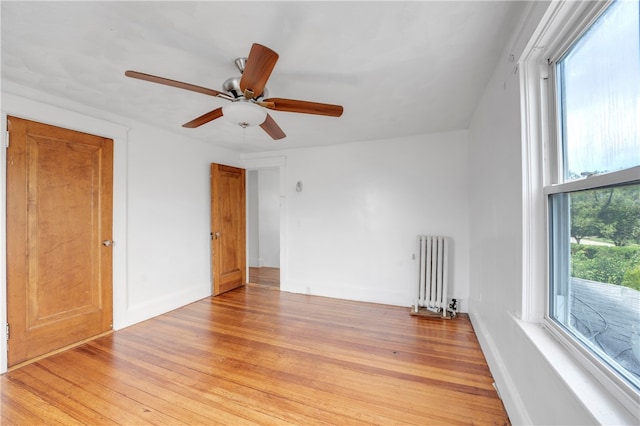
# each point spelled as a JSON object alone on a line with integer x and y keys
{"x": 59, "y": 248}
{"x": 228, "y": 229}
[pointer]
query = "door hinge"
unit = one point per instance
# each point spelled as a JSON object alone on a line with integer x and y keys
{"x": 6, "y": 139}
{"x": 7, "y": 331}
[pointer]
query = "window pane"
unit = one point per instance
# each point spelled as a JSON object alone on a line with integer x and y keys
{"x": 599, "y": 87}
{"x": 596, "y": 273}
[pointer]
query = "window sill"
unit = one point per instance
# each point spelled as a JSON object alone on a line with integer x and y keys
{"x": 601, "y": 404}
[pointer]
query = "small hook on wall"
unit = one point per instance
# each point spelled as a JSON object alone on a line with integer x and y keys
{"x": 299, "y": 186}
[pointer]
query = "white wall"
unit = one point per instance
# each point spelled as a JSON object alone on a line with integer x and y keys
{"x": 538, "y": 381}
{"x": 263, "y": 217}
{"x": 352, "y": 230}
{"x": 496, "y": 256}
{"x": 532, "y": 392}
{"x": 168, "y": 220}
{"x": 269, "y": 217}
{"x": 253, "y": 223}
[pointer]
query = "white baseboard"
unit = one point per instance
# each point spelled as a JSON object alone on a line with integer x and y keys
{"x": 506, "y": 388}
{"x": 154, "y": 307}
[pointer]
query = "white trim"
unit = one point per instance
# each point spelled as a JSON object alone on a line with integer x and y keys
{"x": 604, "y": 407}
{"x": 254, "y": 163}
{"x": 505, "y": 385}
{"x": 151, "y": 308}
{"x": 3, "y": 248}
{"x": 575, "y": 18}
{"x": 533, "y": 206}
{"x": 595, "y": 181}
{"x": 609, "y": 380}
{"x": 37, "y": 111}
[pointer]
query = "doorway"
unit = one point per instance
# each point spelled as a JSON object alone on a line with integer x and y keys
{"x": 263, "y": 200}
{"x": 59, "y": 238}
{"x": 228, "y": 228}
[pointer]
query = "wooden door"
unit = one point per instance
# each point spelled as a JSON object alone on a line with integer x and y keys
{"x": 228, "y": 246}
{"x": 59, "y": 213}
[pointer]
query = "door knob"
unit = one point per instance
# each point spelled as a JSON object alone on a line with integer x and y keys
{"x": 108, "y": 243}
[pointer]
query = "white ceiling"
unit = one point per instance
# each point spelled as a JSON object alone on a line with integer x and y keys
{"x": 398, "y": 68}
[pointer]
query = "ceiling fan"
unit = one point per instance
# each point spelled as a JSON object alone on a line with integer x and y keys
{"x": 248, "y": 95}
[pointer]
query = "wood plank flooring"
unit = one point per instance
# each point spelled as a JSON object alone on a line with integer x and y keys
{"x": 257, "y": 356}
{"x": 265, "y": 276}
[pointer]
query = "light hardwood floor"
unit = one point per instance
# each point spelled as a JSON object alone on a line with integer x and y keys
{"x": 258, "y": 356}
{"x": 265, "y": 276}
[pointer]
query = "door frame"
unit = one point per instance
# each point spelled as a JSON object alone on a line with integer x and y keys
{"x": 46, "y": 113}
{"x": 280, "y": 163}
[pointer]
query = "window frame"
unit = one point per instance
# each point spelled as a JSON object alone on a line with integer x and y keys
{"x": 551, "y": 168}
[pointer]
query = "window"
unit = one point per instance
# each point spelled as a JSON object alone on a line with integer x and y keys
{"x": 593, "y": 195}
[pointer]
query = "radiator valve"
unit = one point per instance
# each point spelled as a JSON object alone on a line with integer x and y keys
{"x": 453, "y": 307}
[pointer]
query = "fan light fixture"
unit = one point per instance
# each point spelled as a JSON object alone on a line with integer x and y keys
{"x": 244, "y": 113}
{"x": 248, "y": 95}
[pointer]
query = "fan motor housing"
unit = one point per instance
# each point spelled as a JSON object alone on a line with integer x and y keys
{"x": 232, "y": 86}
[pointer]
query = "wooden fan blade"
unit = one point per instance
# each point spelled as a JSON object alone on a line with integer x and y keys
{"x": 270, "y": 105}
{"x": 175, "y": 83}
{"x": 257, "y": 70}
{"x": 203, "y": 119}
{"x": 304, "y": 107}
{"x": 272, "y": 128}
